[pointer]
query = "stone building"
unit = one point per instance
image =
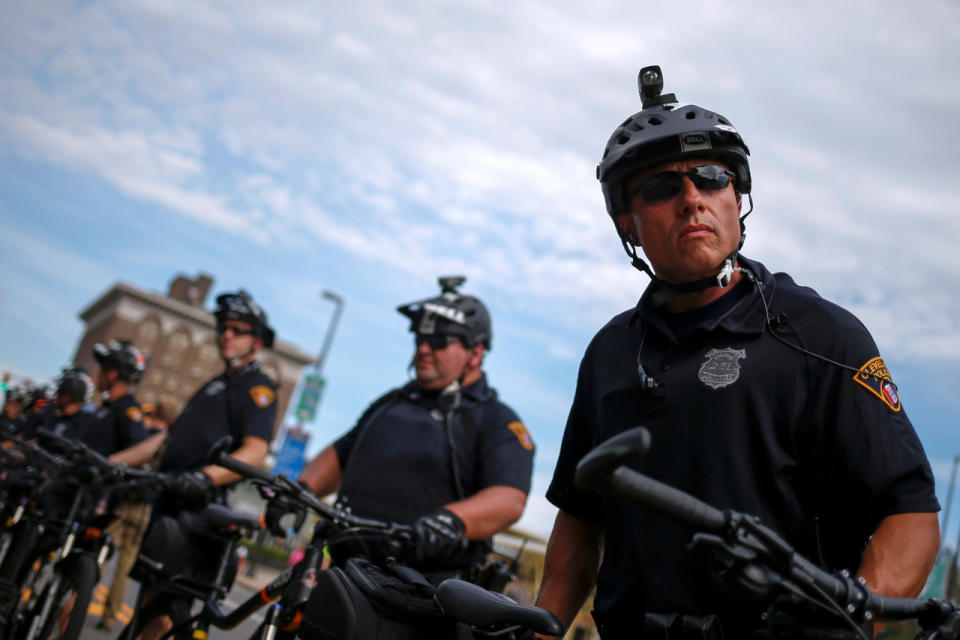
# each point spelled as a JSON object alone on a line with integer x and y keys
{"x": 177, "y": 335}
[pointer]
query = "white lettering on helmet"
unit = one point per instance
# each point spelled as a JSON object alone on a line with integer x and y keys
{"x": 451, "y": 314}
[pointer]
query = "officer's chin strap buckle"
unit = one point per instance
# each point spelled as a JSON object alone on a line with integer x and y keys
{"x": 726, "y": 273}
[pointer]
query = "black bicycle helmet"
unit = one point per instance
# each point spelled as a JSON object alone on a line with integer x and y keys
{"x": 122, "y": 357}
{"x": 451, "y": 313}
{"x": 663, "y": 132}
{"x": 240, "y": 306}
{"x": 15, "y": 394}
{"x": 75, "y": 384}
{"x": 37, "y": 396}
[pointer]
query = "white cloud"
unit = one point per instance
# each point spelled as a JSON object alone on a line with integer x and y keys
{"x": 465, "y": 137}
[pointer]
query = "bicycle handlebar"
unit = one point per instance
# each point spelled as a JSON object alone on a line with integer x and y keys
{"x": 81, "y": 451}
{"x": 602, "y": 469}
{"x": 218, "y": 455}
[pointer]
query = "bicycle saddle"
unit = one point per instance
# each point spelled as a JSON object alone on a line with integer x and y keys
{"x": 478, "y": 607}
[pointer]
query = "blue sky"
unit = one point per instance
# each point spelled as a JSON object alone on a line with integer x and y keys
{"x": 292, "y": 147}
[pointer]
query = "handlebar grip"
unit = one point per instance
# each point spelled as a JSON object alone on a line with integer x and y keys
{"x": 665, "y": 500}
{"x": 225, "y": 460}
{"x": 594, "y": 470}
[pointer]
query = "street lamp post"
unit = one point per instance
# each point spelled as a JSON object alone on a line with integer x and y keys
{"x": 337, "y": 300}
{"x": 317, "y": 367}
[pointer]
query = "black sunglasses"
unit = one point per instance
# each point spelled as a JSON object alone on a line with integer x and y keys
{"x": 223, "y": 328}
{"x": 665, "y": 185}
{"x": 437, "y": 341}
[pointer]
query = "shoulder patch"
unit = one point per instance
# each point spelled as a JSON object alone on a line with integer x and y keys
{"x": 262, "y": 395}
{"x": 134, "y": 414}
{"x": 875, "y": 378}
{"x": 522, "y": 434}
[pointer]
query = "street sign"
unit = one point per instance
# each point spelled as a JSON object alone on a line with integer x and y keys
{"x": 290, "y": 456}
{"x": 310, "y": 398}
{"x": 936, "y": 586}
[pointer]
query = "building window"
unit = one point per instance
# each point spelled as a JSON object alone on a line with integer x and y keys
{"x": 146, "y": 336}
{"x": 176, "y": 349}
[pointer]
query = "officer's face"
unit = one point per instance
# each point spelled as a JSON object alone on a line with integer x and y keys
{"x": 438, "y": 367}
{"x": 686, "y": 237}
{"x": 105, "y": 379}
{"x": 12, "y": 409}
{"x": 236, "y": 340}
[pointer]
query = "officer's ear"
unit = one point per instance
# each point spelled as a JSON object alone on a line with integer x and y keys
{"x": 627, "y": 228}
{"x": 476, "y": 356}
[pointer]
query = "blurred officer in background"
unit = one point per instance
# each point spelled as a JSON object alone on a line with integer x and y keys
{"x": 459, "y": 460}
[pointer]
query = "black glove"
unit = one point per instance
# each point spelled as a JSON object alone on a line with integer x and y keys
{"x": 277, "y": 508}
{"x": 437, "y": 537}
{"x": 193, "y": 485}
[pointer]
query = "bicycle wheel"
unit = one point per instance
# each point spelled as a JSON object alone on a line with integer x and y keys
{"x": 72, "y": 586}
{"x": 84, "y": 579}
{"x": 176, "y": 609}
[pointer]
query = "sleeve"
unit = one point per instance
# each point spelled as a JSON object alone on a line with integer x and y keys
{"x": 130, "y": 427}
{"x": 505, "y": 451}
{"x": 869, "y": 458}
{"x": 578, "y": 440}
{"x": 259, "y": 409}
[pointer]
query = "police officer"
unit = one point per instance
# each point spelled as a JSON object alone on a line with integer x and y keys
{"x": 442, "y": 452}
{"x": 240, "y": 403}
{"x": 760, "y": 396}
{"x": 13, "y": 418}
{"x": 121, "y": 425}
{"x": 120, "y": 416}
{"x": 72, "y": 415}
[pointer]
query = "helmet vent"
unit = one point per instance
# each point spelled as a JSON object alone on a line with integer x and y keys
{"x": 623, "y": 139}
{"x": 655, "y": 121}
{"x": 690, "y": 115}
{"x": 723, "y": 120}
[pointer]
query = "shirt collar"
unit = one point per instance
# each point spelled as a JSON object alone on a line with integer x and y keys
{"x": 747, "y": 316}
{"x": 477, "y": 391}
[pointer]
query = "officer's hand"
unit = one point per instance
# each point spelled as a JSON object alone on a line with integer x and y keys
{"x": 281, "y": 507}
{"x": 437, "y": 537}
{"x": 195, "y": 485}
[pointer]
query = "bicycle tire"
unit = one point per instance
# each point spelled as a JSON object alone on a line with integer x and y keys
{"x": 77, "y": 578}
{"x": 84, "y": 579}
{"x": 175, "y": 608}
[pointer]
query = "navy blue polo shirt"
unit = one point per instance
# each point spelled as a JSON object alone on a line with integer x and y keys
{"x": 237, "y": 403}
{"x": 820, "y": 452}
{"x": 119, "y": 425}
{"x": 396, "y": 461}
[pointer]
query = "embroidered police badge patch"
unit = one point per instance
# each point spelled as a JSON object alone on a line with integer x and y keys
{"x": 262, "y": 396}
{"x": 722, "y": 367}
{"x": 875, "y": 378}
{"x": 522, "y": 434}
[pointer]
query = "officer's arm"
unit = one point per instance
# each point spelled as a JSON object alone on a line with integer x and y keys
{"x": 570, "y": 566}
{"x": 901, "y": 554}
{"x": 323, "y": 475}
{"x": 489, "y": 511}
{"x": 253, "y": 451}
{"x": 140, "y": 453}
